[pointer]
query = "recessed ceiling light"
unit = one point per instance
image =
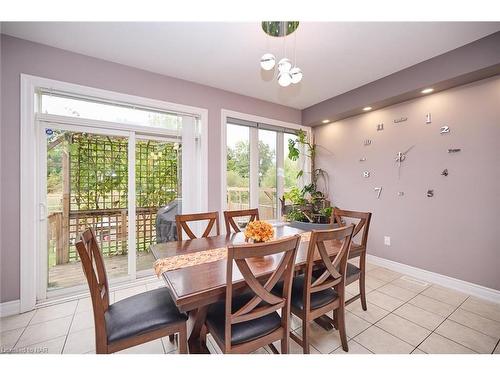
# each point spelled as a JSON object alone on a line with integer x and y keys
{"x": 325, "y": 121}
{"x": 367, "y": 108}
{"x": 427, "y": 91}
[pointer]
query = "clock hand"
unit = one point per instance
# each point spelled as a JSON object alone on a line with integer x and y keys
{"x": 404, "y": 153}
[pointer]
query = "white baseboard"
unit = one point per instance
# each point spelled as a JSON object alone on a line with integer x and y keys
{"x": 10, "y": 308}
{"x": 476, "y": 290}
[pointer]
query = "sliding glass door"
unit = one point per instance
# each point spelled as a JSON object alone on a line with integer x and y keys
{"x": 85, "y": 186}
{"x": 157, "y": 183}
{"x": 94, "y": 175}
{"x": 267, "y": 174}
{"x": 258, "y": 170}
{"x": 238, "y": 167}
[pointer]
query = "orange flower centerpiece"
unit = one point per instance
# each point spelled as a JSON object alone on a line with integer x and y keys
{"x": 259, "y": 231}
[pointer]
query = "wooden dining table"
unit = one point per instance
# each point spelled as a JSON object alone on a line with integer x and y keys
{"x": 194, "y": 288}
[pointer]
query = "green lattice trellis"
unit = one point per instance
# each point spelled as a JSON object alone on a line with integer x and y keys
{"x": 99, "y": 188}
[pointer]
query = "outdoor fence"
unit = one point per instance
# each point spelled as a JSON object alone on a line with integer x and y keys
{"x": 238, "y": 199}
{"x": 110, "y": 226}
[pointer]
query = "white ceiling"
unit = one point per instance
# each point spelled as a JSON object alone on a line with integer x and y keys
{"x": 335, "y": 57}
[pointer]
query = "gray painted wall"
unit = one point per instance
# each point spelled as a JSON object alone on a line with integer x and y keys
{"x": 455, "y": 232}
{"x": 20, "y": 56}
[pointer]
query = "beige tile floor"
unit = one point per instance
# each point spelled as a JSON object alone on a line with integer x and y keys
{"x": 404, "y": 316}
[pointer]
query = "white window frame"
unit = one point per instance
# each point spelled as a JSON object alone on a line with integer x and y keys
{"x": 30, "y": 155}
{"x": 254, "y": 154}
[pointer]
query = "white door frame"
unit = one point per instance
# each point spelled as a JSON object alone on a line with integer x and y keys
{"x": 254, "y": 158}
{"x": 29, "y": 155}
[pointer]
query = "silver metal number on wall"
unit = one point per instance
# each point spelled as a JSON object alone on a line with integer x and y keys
{"x": 366, "y": 174}
{"x": 380, "y": 127}
{"x": 378, "y": 190}
{"x": 428, "y": 118}
{"x": 401, "y": 119}
{"x": 444, "y": 129}
{"x": 368, "y": 142}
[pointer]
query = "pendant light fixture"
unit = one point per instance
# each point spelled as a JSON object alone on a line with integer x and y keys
{"x": 288, "y": 71}
{"x": 267, "y": 61}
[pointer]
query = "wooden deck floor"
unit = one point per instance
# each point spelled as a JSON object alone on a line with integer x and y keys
{"x": 71, "y": 274}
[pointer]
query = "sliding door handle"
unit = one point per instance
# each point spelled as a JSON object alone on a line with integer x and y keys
{"x": 42, "y": 211}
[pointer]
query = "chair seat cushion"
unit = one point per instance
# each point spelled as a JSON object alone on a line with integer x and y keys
{"x": 352, "y": 273}
{"x": 244, "y": 331}
{"x": 318, "y": 299}
{"x": 141, "y": 313}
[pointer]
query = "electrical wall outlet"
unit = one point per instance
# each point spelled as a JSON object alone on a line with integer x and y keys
{"x": 387, "y": 240}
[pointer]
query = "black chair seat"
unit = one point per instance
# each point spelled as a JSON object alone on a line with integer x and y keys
{"x": 352, "y": 273}
{"x": 241, "y": 332}
{"x": 318, "y": 299}
{"x": 141, "y": 313}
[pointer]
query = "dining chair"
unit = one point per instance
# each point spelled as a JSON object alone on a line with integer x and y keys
{"x": 182, "y": 221}
{"x": 247, "y": 321}
{"x": 312, "y": 296}
{"x": 230, "y": 215}
{"x": 134, "y": 320}
{"x": 357, "y": 250}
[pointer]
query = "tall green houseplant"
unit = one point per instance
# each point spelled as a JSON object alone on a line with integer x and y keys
{"x": 307, "y": 204}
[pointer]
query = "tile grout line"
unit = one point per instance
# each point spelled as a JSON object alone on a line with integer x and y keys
{"x": 50, "y": 320}
{"x": 475, "y": 313}
{"x": 69, "y": 329}
{"x": 433, "y": 331}
{"x": 466, "y": 326}
{"x": 392, "y": 312}
{"x": 24, "y": 330}
{"x": 440, "y": 324}
{"x": 352, "y": 338}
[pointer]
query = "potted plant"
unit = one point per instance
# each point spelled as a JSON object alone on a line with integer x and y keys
{"x": 309, "y": 207}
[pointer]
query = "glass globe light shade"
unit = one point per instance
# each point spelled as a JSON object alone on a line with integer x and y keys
{"x": 284, "y": 65}
{"x": 296, "y": 74}
{"x": 284, "y": 79}
{"x": 267, "y": 61}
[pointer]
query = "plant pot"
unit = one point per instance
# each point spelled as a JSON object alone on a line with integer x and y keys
{"x": 312, "y": 226}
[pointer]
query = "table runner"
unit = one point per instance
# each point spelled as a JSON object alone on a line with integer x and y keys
{"x": 200, "y": 257}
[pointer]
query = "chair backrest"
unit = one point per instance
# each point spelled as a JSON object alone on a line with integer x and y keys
{"x": 261, "y": 289}
{"x": 334, "y": 271}
{"x": 183, "y": 220}
{"x": 230, "y": 215}
{"x": 95, "y": 272}
{"x": 363, "y": 223}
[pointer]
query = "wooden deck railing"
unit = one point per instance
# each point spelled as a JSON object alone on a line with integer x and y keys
{"x": 238, "y": 199}
{"x": 110, "y": 226}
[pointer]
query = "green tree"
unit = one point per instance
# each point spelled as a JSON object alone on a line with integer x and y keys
{"x": 238, "y": 159}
